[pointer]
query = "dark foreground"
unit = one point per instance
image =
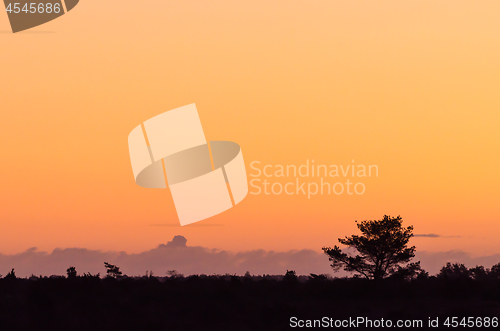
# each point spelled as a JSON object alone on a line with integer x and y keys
{"x": 238, "y": 303}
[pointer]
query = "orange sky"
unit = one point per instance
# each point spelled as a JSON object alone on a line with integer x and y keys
{"x": 411, "y": 86}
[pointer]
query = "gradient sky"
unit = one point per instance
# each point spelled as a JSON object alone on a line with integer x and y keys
{"x": 411, "y": 86}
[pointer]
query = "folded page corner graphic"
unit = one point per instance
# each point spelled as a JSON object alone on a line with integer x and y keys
{"x": 205, "y": 178}
{"x": 24, "y": 15}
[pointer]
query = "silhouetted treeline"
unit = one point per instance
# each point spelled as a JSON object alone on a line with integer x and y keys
{"x": 202, "y": 302}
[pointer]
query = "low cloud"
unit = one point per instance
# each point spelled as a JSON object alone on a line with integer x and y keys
{"x": 430, "y": 235}
{"x": 174, "y": 255}
{"x": 433, "y": 235}
{"x": 432, "y": 262}
{"x": 178, "y": 255}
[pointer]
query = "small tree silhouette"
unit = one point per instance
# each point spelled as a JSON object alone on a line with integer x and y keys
{"x": 290, "y": 277}
{"x": 11, "y": 275}
{"x": 455, "y": 271}
{"x": 71, "y": 272}
{"x": 479, "y": 273}
{"x": 112, "y": 270}
{"x": 382, "y": 247}
{"x": 495, "y": 271}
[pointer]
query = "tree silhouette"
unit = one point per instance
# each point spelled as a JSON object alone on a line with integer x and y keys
{"x": 112, "y": 270}
{"x": 495, "y": 271}
{"x": 454, "y": 271}
{"x": 290, "y": 276}
{"x": 479, "y": 272}
{"x": 71, "y": 272}
{"x": 382, "y": 247}
{"x": 11, "y": 275}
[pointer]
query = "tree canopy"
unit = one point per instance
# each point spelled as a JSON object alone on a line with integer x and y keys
{"x": 382, "y": 250}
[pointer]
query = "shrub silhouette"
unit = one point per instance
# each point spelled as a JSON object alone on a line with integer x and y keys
{"x": 230, "y": 302}
{"x": 11, "y": 275}
{"x": 382, "y": 247}
{"x": 88, "y": 275}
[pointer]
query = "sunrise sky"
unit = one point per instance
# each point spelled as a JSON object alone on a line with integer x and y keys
{"x": 409, "y": 86}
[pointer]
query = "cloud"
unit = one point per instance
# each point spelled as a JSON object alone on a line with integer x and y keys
{"x": 430, "y": 235}
{"x": 174, "y": 255}
{"x": 178, "y": 241}
{"x": 433, "y": 235}
{"x": 178, "y": 255}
